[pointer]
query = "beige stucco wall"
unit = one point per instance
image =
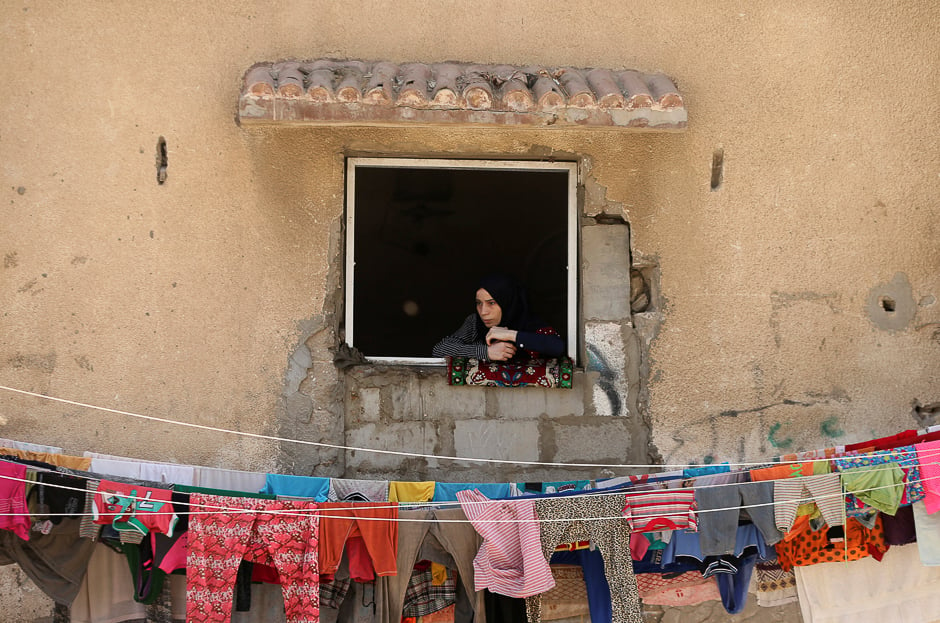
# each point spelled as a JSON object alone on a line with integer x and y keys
{"x": 187, "y": 300}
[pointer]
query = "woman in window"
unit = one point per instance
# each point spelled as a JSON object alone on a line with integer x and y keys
{"x": 502, "y": 329}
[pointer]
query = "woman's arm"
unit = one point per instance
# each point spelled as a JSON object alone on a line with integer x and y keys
{"x": 546, "y": 342}
{"x": 464, "y": 342}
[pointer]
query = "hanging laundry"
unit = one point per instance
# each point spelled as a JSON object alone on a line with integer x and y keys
{"x": 229, "y": 479}
{"x": 376, "y": 528}
{"x": 880, "y": 487}
{"x": 688, "y": 545}
{"x": 106, "y": 592}
{"x": 719, "y": 510}
{"x": 399, "y": 491}
{"x": 772, "y": 585}
{"x": 424, "y": 596}
{"x": 56, "y": 562}
{"x": 510, "y": 561}
{"x": 134, "y": 508}
{"x": 561, "y": 486}
{"x": 14, "y": 514}
{"x": 661, "y": 510}
{"x": 348, "y": 490}
{"x": 58, "y": 460}
{"x": 899, "y": 528}
{"x": 891, "y": 441}
{"x": 302, "y": 487}
{"x": 447, "y": 491}
{"x": 638, "y": 479}
{"x": 57, "y": 494}
{"x": 825, "y": 491}
{"x": 805, "y": 546}
{"x": 706, "y": 470}
{"x": 789, "y": 470}
{"x": 441, "y": 535}
{"x": 810, "y": 455}
{"x": 928, "y": 534}
{"x": 29, "y": 447}
{"x": 223, "y": 531}
{"x": 579, "y": 517}
{"x": 896, "y": 589}
{"x": 905, "y": 457}
{"x": 928, "y": 458}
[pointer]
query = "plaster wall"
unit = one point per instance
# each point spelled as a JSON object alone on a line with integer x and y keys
{"x": 214, "y": 298}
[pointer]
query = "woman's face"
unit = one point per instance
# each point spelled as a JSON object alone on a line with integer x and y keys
{"x": 489, "y": 310}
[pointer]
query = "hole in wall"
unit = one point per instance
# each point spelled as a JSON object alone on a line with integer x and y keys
{"x": 887, "y": 303}
{"x": 162, "y": 160}
{"x": 718, "y": 167}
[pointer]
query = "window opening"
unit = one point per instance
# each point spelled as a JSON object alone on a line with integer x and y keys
{"x": 420, "y": 233}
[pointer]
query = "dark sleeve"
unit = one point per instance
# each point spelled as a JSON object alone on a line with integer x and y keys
{"x": 545, "y": 345}
{"x": 464, "y": 342}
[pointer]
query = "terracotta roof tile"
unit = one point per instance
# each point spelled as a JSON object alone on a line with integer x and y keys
{"x": 327, "y": 91}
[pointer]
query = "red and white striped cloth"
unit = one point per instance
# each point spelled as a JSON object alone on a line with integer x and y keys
{"x": 652, "y": 511}
{"x": 510, "y": 561}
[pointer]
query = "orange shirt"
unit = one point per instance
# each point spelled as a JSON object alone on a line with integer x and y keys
{"x": 802, "y": 546}
{"x": 59, "y": 460}
{"x": 779, "y": 472}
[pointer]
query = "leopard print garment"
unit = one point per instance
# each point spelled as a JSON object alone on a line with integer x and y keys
{"x": 611, "y": 536}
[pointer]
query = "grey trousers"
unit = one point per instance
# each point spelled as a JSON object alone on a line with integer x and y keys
{"x": 718, "y": 528}
{"x": 452, "y": 544}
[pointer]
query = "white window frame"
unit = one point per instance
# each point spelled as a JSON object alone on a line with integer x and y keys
{"x": 431, "y": 163}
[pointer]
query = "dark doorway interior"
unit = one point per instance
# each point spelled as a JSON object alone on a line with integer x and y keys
{"x": 424, "y": 236}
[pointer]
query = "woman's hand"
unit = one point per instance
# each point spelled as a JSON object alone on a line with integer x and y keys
{"x": 500, "y": 351}
{"x": 500, "y": 334}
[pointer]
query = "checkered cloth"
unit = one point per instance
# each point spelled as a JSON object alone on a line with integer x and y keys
{"x": 422, "y": 597}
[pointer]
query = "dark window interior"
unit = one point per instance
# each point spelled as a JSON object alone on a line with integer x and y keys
{"x": 424, "y": 236}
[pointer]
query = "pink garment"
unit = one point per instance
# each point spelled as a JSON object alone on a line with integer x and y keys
{"x": 282, "y": 534}
{"x": 510, "y": 560}
{"x": 175, "y": 557}
{"x": 928, "y": 456}
{"x": 14, "y": 514}
{"x": 639, "y": 545}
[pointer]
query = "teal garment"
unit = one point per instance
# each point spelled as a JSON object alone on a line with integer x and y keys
{"x": 562, "y": 486}
{"x": 706, "y": 470}
{"x": 314, "y": 488}
{"x": 447, "y": 491}
{"x": 879, "y": 486}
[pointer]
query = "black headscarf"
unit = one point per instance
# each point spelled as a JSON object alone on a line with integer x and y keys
{"x": 512, "y": 300}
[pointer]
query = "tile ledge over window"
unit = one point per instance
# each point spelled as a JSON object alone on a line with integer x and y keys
{"x": 378, "y": 93}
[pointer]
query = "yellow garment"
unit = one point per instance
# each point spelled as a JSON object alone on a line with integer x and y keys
{"x": 410, "y": 491}
{"x": 59, "y": 460}
{"x": 438, "y": 574}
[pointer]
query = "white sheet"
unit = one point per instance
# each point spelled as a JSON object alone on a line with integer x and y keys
{"x": 897, "y": 589}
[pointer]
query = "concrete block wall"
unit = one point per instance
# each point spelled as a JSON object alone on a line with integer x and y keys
{"x": 412, "y": 409}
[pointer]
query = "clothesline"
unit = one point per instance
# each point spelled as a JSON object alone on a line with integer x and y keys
{"x": 389, "y": 452}
{"x": 419, "y": 505}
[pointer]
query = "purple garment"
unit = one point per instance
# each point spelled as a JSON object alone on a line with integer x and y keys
{"x": 899, "y": 529}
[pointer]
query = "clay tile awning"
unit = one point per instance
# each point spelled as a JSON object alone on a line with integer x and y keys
{"x": 333, "y": 92}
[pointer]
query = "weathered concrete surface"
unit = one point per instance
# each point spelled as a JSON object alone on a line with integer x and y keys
{"x": 21, "y": 601}
{"x": 604, "y": 256}
{"x": 194, "y": 299}
{"x": 714, "y": 611}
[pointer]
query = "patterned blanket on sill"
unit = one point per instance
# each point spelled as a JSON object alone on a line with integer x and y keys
{"x": 534, "y": 372}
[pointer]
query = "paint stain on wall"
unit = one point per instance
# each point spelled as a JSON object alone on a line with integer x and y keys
{"x": 778, "y": 443}
{"x": 830, "y": 427}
